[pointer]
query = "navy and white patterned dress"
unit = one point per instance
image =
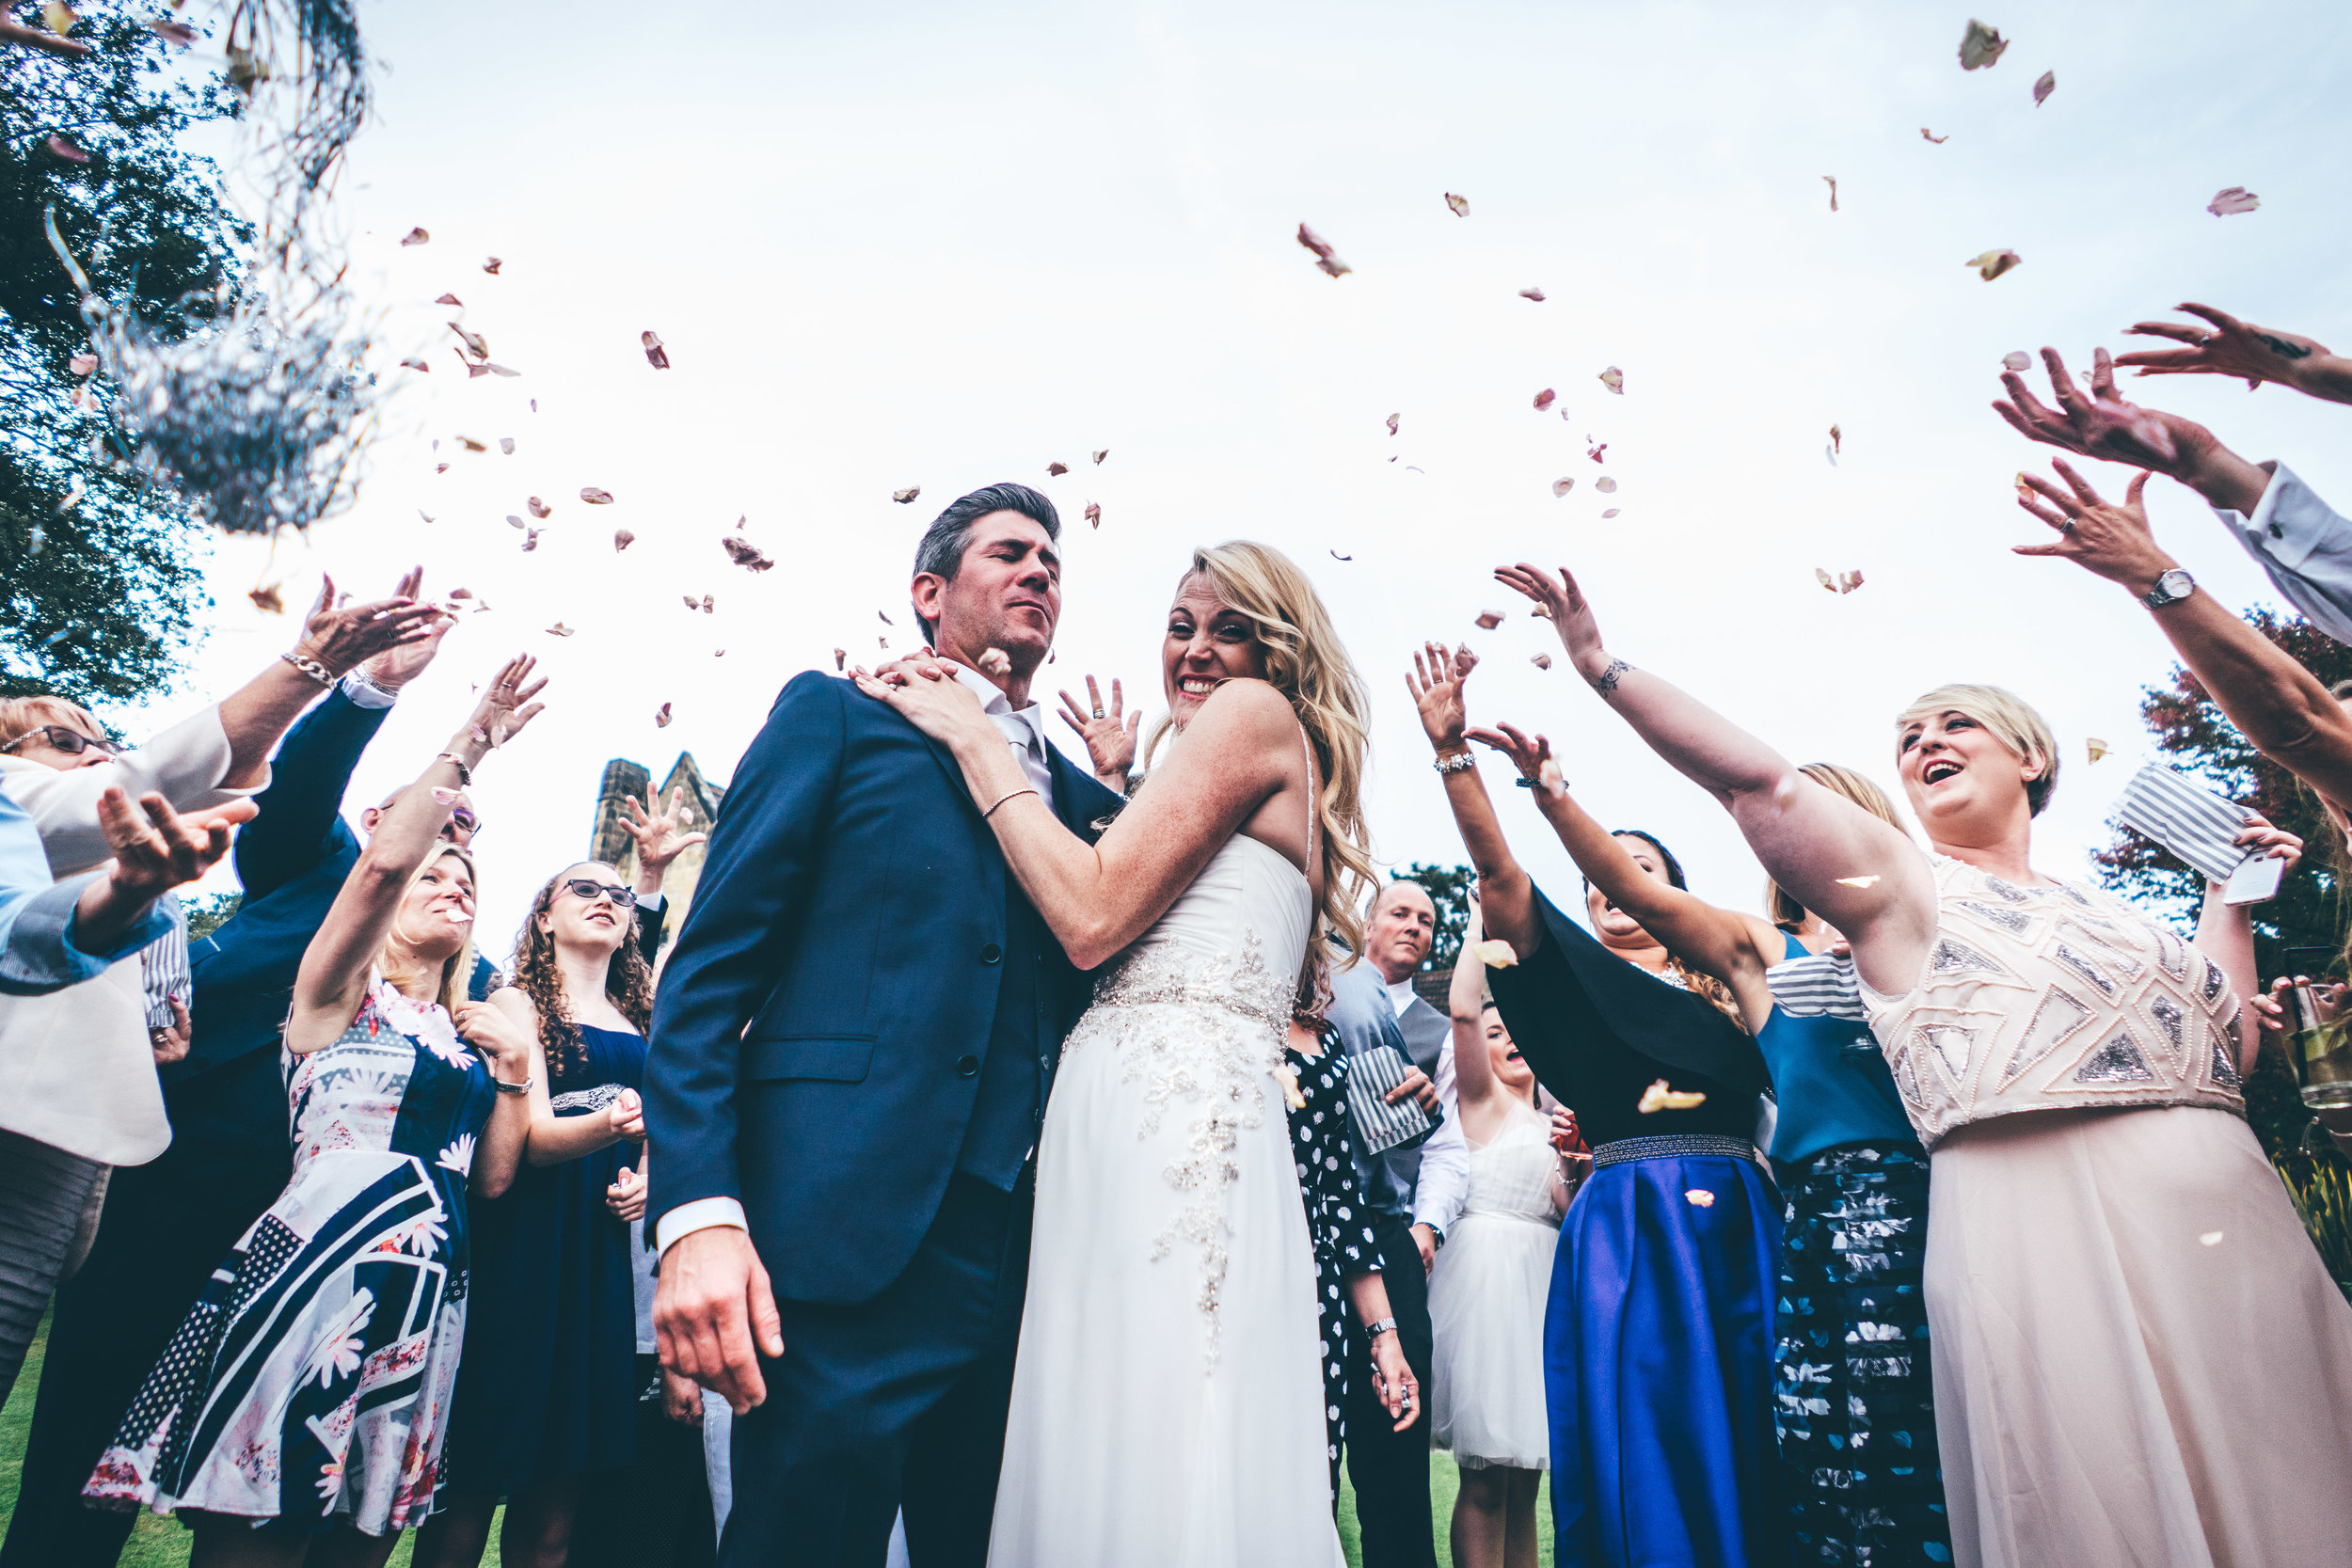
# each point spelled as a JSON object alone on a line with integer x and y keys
{"x": 1339, "y": 1221}
{"x": 312, "y": 1380}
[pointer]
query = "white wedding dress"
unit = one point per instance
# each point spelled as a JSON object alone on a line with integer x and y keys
{"x": 1168, "y": 1400}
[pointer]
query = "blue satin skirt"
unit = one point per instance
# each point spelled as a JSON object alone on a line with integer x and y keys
{"x": 1658, "y": 1368}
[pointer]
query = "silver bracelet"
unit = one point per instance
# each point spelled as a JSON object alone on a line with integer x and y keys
{"x": 1010, "y": 795}
{"x": 1460, "y": 762}
{"x": 504, "y": 1087}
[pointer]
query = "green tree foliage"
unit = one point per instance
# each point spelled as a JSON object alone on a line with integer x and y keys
{"x": 90, "y": 548}
{"x": 2309, "y": 911}
{"x": 1450, "y": 888}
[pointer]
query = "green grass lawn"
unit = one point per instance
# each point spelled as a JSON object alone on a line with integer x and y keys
{"x": 160, "y": 1543}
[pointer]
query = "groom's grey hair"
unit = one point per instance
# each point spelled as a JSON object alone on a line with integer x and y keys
{"x": 940, "y": 553}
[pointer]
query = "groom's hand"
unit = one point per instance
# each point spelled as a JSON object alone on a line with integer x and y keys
{"x": 714, "y": 1314}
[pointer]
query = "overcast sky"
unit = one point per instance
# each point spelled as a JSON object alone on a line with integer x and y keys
{"x": 944, "y": 246}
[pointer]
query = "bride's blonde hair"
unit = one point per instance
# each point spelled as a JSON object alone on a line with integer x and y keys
{"x": 1307, "y": 663}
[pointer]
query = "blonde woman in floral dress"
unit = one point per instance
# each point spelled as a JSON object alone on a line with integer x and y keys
{"x": 298, "y": 1414}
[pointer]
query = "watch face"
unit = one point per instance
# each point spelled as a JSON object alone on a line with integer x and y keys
{"x": 2175, "y": 584}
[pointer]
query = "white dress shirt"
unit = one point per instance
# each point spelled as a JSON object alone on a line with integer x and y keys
{"x": 1442, "y": 1189}
{"x": 2306, "y": 548}
{"x": 1024, "y": 729}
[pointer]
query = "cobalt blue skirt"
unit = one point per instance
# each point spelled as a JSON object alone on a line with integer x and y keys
{"x": 1658, "y": 1362}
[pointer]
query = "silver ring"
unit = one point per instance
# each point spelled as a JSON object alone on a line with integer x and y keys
{"x": 2204, "y": 341}
{"x": 1098, "y": 713}
{"x": 2066, "y": 524}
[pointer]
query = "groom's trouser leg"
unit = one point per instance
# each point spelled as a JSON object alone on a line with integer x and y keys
{"x": 1390, "y": 1469}
{"x": 862, "y": 1393}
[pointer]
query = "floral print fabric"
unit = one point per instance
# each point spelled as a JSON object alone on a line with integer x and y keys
{"x": 312, "y": 1380}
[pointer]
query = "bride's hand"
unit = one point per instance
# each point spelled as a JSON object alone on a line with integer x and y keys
{"x": 1434, "y": 683}
{"x": 925, "y": 691}
{"x": 1110, "y": 737}
{"x": 1399, "y": 1389}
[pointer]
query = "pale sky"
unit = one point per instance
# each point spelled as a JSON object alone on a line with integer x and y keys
{"x": 891, "y": 245}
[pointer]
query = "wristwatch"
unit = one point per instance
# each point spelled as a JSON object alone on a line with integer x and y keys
{"x": 1436, "y": 1237}
{"x": 504, "y": 1087}
{"x": 2171, "y": 588}
{"x": 1374, "y": 1331}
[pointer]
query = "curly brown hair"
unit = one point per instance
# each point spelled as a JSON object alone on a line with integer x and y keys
{"x": 628, "y": 981}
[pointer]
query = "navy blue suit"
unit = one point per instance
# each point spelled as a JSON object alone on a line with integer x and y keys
{"x": 854, "y": 1037}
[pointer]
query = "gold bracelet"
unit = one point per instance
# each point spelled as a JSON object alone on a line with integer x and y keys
{"x": 310, "y": 667}
{"x": 1010, "y": 794}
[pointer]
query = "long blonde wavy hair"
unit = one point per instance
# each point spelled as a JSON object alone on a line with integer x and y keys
{"x": 1307, "y": 663}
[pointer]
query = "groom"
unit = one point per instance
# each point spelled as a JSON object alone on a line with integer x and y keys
{"x": 851, "y": 1050}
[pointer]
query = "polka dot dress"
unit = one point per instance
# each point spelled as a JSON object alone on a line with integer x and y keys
{"x": 1338, "y": 1220}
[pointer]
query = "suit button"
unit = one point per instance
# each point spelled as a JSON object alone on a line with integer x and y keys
{"x": 967, "y": 1066}
{"x": 992, "y": 953}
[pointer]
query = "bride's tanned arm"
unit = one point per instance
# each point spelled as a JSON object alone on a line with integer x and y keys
{"x": 1242, "y": 747}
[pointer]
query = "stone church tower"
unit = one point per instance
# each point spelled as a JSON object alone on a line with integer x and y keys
{"x": 609, "y": 842}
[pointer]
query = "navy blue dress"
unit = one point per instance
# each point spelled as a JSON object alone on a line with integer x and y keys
{"x": 1657, "y": 1337}
{"x": 548, "y": 1384}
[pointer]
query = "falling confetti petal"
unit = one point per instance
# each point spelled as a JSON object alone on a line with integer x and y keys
{"x": 268, "y": 600}
{"x": 1837, "y": 439}
{"x": 595, "y": 496}
{"x": 1657, "y": 1097}
{"x": 471, "y": 445}
{"x": 2044, "y": 86}
{"x": 1494, "y": 954}
{"x": 1606, "y": 485}
{"x": 885, "y": 619}
{"x": 440, "y": 467}
{"x": 413, "y": 363}
{"x": 1100, "y": 455}
{"x": 1611, "y": 513}
{"x": 1826, "y": 580}
{"x": 177, "y": 33}
{"x": 1489, "y": 619}
{"x": 492, "y": 265}
{"x": 1926, "y": 135}
{"x": 1614, "y": 379}
{"x": 661, "y": 717}
{"x": 512, "y": 521}
{"x": 62, "y": 145}
{"x": 530, "y": 539}
{"x": 1393, "y": 419}
{"x": 1562, "y": 487}
{"x": 507, "y": 445}
{"x": 461, "y": 593}
{"x": 1595, "y": 452}
{"x": 1859, "y": 881}
{"x": 445, "y": 794}
{"x": 1849, "y": 581}
{"x": 622, "y": 539}
{"x": 2209, "y": 1238}
{"x": 416, "y": 236}
{"x": 1541, "y": 661}
{"x": 995, "y": 661}
{"x": 1831, "y": 181}
{"x": 476, "y": 343}
{"x": 907, "y": 495}
{"x": 500, "y": 370}
{"x": 472, "y": 368}
{"x": 841, "y": 659}
{"x": 1991, "y": 264}
{"x": 1337, "y": 556}
{"x": 451, "y": 299}
{"x": 743, "y": 553}
{"x": 536, "y": 507}
{"x": 1055, "y": 470}
{"x": 422, "y": 512}
{"x": 1700, "y": 1197}
{"x": 1093, "y": 516}
{"x": 1460, "y": 204}
{"x": 2238, "y": 199}
{"x": 1980, "y": 46}
{"x": 82, "y": 364}
{"x": 1545, "y": 398}
{"x": 2018, "y": 360}
{"x": 718, "y": 652}
{"x": 559, "y": 629}
{"x": 2097, "y": 749}
{"x": 655, "y": 356}
{"x": 1532, "y": 293}
{"x": 1326, "y": 258}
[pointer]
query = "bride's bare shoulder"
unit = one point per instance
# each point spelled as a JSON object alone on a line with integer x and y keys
{"x": 1248, "y": 710}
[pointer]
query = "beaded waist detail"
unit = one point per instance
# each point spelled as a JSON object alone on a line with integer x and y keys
{"x": 1672, "y": 1146}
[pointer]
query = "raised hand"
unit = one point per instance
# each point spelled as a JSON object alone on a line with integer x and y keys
{"x": 2100, "y": 424}
{"x": 1110, "y": 737}
{"x": 157, "y": 849}
{"x": 2111, "y": 540}
{"x": 1435, "y": 684}
{"x": 661, "y": 836}
{"x": 337, "y": 639}
{"x": 1565, "y": 606}
{"x": 2276, "y": 842}
{"x": 396, "y": 666}
{"x": 1527, "y": 753}
{"x": 506, "y": 703}
{"x": 2230, "y": 347}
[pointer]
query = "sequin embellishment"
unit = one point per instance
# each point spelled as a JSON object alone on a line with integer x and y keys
{"x": 1954, "y": 958}
{"x": 2008, "y": 920}
{"x": 2058, "y": 1016}
{"x": 2083, "y": 967}
{"x": 2117, "y": 1060}
{"x": 2170, "y": 1018}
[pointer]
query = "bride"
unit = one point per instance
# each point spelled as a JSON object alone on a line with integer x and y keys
{"x": 1167, "y": 1397}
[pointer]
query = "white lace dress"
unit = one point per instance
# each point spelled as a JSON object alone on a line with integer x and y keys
{"x": 1486, "y": 1301}
{"x": 1168, "y": 1400}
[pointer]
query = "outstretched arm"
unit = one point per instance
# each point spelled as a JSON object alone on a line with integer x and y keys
{"x": 2233, "y": 347}
{"x": 1715, "y": 941}
{"x": 2099, "y": 423}
{"x": 1846, "y": 865}
{"x": 2279, "y": 705}
{"x": 1466, "y": 1003}
{"x": 1507, "y": 895}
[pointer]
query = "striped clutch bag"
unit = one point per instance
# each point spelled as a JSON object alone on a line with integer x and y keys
{"x": 1381, "y": 1126}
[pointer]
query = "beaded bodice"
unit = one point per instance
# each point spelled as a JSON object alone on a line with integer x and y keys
{"x": 2053, "y": 998}
{"x": 1517, "y": 1174}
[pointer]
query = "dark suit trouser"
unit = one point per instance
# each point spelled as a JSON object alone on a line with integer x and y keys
{"x": 161, "y": 1236}
{"x": 1390, "y": 1469}
{"x": 896, "y": 1401}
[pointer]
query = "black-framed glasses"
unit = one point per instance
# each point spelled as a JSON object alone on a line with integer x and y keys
{"x": 589, "y": 889}
{"x": 72, "y": 742}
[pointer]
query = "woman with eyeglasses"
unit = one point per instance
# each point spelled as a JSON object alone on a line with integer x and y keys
{"x": 546, "y": 1399}
{"x": 299, "y": 1413}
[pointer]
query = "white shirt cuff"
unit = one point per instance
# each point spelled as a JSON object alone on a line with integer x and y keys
{"x": 364, "y": 692}
{"x": 701, "y": 1214}
{"x": 651, "y": 901}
